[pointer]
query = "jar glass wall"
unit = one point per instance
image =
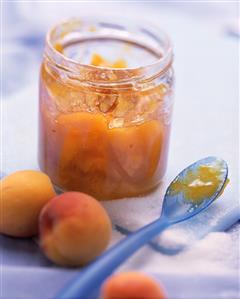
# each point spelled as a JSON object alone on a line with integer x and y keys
{"x": 106, "y": 96}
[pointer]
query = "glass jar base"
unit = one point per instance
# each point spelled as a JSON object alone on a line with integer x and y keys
{"x": 146, "y": 192}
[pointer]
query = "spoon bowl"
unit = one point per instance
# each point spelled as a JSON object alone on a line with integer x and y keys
{"x": 178, "y": 206}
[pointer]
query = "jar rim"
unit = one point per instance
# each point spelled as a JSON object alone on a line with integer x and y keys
{"x": 94, "y": 73}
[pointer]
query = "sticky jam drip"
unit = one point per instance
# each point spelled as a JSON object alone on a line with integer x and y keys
{"x": 199, "y": 184}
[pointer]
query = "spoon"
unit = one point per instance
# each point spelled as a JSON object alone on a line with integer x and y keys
{"x": 191, "y": 192}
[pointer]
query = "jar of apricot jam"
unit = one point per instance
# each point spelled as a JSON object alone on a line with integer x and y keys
{"x": 106, "y": 97}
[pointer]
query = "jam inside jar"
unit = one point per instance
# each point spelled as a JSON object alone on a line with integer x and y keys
{"x": 105, "y": 105}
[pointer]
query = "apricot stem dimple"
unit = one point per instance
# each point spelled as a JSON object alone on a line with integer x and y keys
{"x": 48, "y": 223}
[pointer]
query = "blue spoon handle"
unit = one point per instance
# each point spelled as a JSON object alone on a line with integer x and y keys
{"x": 93, "y": 276}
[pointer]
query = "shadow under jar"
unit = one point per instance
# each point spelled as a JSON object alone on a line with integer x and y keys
{"x": 105, "y": 107}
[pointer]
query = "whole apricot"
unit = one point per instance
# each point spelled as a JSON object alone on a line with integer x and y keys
{"x": 131, "y": 285}
{"x": 23, "y": 195}
{"x": 74, "y": 229}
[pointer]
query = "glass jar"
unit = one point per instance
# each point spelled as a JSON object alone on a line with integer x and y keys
{"x": 106, "y": 96}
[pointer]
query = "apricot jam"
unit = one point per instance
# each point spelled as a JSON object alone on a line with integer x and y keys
{"x": 200, "y": 184}
{"x": 105, "y": 108}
